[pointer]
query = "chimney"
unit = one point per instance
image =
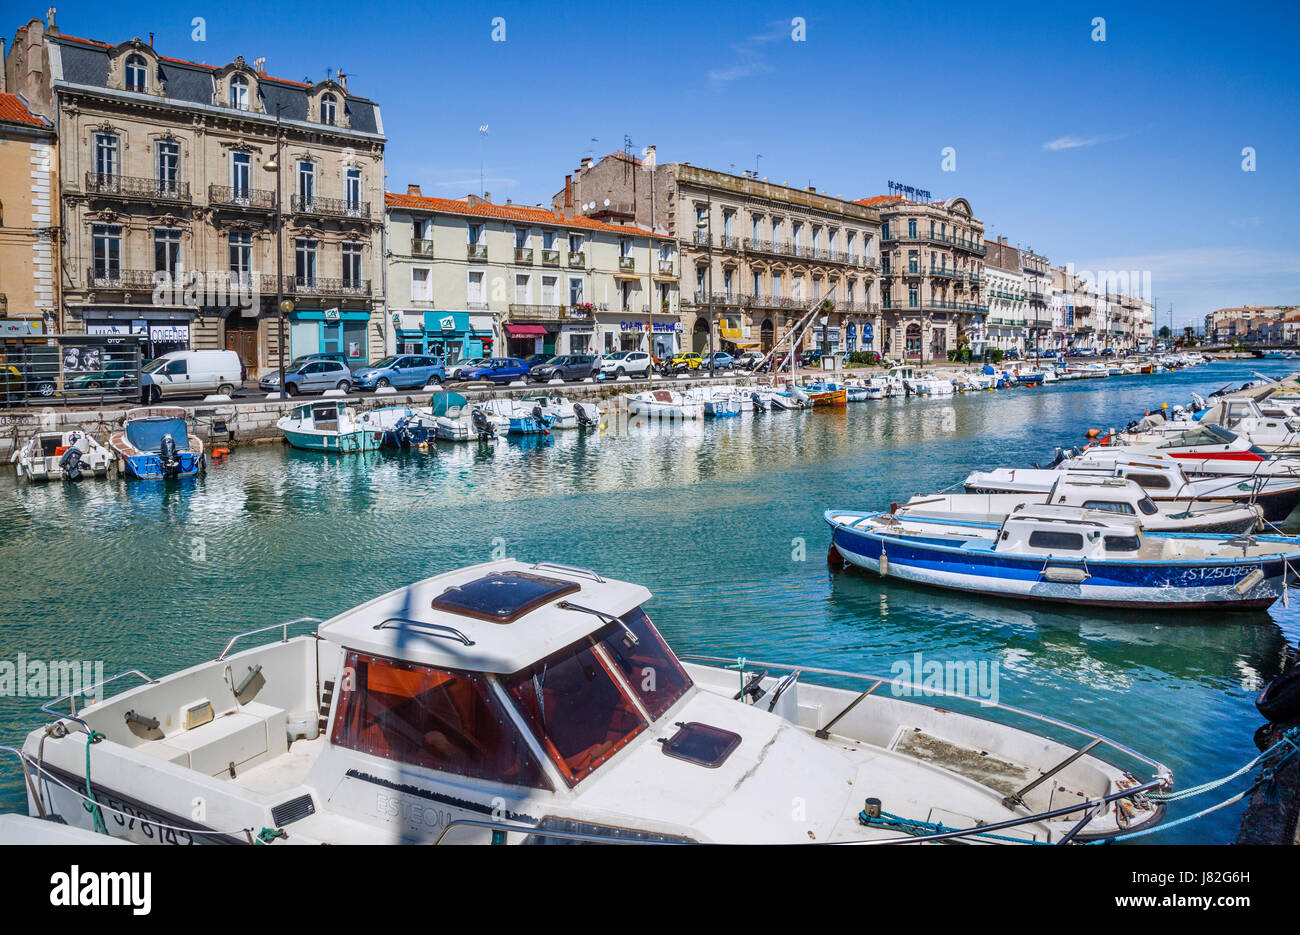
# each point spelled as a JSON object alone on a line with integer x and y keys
{"x": 414, "y": 190}
{"x": 151, "y": 40}
{"x": 475, "y": 200}
{"x": 49, "y": 21}
{"x": 259, "y": 65}
{"x": 649, "y": 156}
{"x": 343, "y": 80}
{"x": 2, "y": 71}
{"x": 568, "y": 191}
{"x": 586, "y": 162}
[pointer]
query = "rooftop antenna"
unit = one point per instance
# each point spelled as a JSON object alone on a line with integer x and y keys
{"x": 758, "y": 158}
{"x": 482, "y": 135}
{"x": 591, "y": 150}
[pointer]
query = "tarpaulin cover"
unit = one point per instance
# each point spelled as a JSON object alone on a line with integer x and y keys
{"x": 147, "y": 434}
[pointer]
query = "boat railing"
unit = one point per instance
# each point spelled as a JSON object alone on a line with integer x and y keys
{"x": 905, "y": 690}
{"x": 437, "y": 629}
{"x": 282, "y": 627}
{"x": 48, "y": 707}
{"x": 501, "y": 829}
{"x": 572, "y": 569}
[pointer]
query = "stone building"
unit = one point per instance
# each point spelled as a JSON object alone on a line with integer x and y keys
{"x": 169, "y": 210}
{"x": 29, "y": 220}
{"x": 468, "y": 277}
{"x": 931, "y": 286}
{"x": 1037, "y": 272}
{"x": 1005, "y": 285}
{"x": 756, "y": 255}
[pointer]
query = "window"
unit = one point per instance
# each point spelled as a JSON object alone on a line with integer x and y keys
{"x": 523, "y": 289}
{"x": 913, "y": 261}
{"x": 306, "y": 184}
{"x": 167, "y": 158}
{"x": 305, "y": 261}
{"x": 575, "y": 290}
{"x": 911, "y": 228}
{"x": 796, "y": 231}
{"x": 757, "y": 284}
{"x": 328, "y": 109}
{"x": 433, "y": 718}
{"x": 521, "y": 238}
{"x": 624, "y": 246}
{"x": 776, "y": 285}
{"x": 548, "y": 240}
{"x": 1146, "y": 506}
{"x": 1150, "y": 481}
{"x": 106, "y": 246}
{"x": 728, "y": 224}
{"x": 352, "y": 190}
{"x": 756, "y": 227}
{"x": 241, "y": 255}
{"x": 575, "y": 243}
{"x": 576, "y": 709}
{"x": 474, "y": 290}
{"x": 421, "y": 286}
{"x": 1068, "y": 541}
{"x": 239, "y": 92}
{"x": 550, "y": 286}
{"x": 649, "y": 667}
{"x": 106, "y": 155}
{"x": 167, "y": 251}
{"x": 1123, "y": 543}
{"x": 475, "y": 233}
{"x": 239, "y": 175}
{"x": 137, "y": 74}
{"x": 352, "y": 266}
{"x": 1109, "y": 506}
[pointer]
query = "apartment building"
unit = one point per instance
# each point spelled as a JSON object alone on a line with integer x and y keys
{"x": 756, "y": 255}
{"x": 468, "y": 277}
{"x": 169, "y": 207}
{"x": 1037, "y": 275}
{"x": 1252, "y": 323}
{"x": 1005, "y": 290}
{"x": 29, "y": 220}
{"x": 931, "y": 279}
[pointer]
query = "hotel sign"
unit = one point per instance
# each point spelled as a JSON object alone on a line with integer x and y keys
{"x": 916, "y": 194}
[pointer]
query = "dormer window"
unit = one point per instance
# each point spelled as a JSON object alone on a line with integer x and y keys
{"x": 239, "y": 92}
{"x": 137, "y": 74}
{"x": 328, "y": 109}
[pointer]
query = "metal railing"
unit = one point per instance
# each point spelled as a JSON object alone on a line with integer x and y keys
{"x": 627, "y": 263}
{"x": 476, "y": 251}
{"x": 282, "y": 627}
{"x": 251, "y": 198}
{"x": 421, "y": 247}
{"x": 550, "y": 257}
{"x": 126, "y": 186}
{"x": 523, "y": 254}
{"x": 48, "y": 707}
{"x": 576, "y": 259}
{"x": 326, "y": 285}
{"x": 330, "y": 207}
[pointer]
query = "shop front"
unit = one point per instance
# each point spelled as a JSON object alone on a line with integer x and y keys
{"x": 621, "y": 333}
{"x": 330, "y": 331}
{"x": 162, "y": 330}
{"x": 454, "y": 336}
{"x": 577, "y": 338}
{"x": 525, "y": 339}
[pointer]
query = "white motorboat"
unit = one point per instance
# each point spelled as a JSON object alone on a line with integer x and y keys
{"x": 565, "y": 414}
{"x": 931, "y": 384}
{"x": 720, "y": 401}
{"x": 663, "y": 404}
{"x": 510, "y": 703}
{"x": 329, "y": 425}
{"x": 1088, "y": 491}
{"x": 66, "y": 455}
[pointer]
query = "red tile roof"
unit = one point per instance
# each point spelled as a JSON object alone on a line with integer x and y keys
{"x": 511, "y": 213}
{"x": 180, "y": 61}
{"x": 881, "y": 200}
{"x": 13, "y": 110}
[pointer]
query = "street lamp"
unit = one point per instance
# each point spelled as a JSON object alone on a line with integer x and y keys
{"x": 282, "y": 305}
{"x": 707, "y": 226}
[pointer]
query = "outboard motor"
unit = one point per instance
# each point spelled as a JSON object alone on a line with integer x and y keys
{"x": 542, "y": 418}
{"x": 167, "y": 454}
{"x": 759, "y": 404}
{"x": 70, "y": 462}
{"x": 482, "y": 425}
{"x": 586, "y": 420}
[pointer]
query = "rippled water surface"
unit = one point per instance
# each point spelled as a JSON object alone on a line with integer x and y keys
{"x": 713, "y": 518}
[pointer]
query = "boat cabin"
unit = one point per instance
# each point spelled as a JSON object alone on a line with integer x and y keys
{"x": 1119, "y": 495}
{"x": 1069, "y": 533}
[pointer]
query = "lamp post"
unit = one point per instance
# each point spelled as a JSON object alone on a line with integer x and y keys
{"x": 282, "y": 305}
{"x": 707, "y": 226}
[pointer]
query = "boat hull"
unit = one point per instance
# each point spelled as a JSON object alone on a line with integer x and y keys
{"x": 341, "y": 442}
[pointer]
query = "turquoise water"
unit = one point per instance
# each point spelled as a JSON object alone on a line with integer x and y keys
{"x": 722, "y": 521}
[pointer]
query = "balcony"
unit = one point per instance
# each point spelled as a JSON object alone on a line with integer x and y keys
{"x": 125, "y": 186}
{"x": 667, "y": 268}
{"x": 577, "y": 259}
{"x": 421, "y": 247}
{"x": 249, "y": 199}
{"x": 330, "y": 207}
{"x": 627, "y": 264}
{"x": 550, "y": 257}
{"x": 519, "y": 312}
{"x": 476, "y": 251}
{"x": 108, "y": 277}
{"x": 729, "y": 242}
{"x": 323, "y": 286}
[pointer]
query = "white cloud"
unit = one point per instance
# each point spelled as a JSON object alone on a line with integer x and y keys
{"x": 1072, "y": 142}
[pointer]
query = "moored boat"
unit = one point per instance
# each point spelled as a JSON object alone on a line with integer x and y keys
{"x": 663, "y": 404}
{"x": 154, "y": 443}
{"x": 66, "y": 455}
{"x": 329, "y": 426}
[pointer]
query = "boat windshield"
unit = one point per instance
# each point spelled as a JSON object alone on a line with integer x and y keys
{"x": 1201, "y": 435}
{"x": 576, "y": 708}
{"x": 649, "y": 666}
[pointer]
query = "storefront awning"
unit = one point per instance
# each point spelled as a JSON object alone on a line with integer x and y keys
{"x": 522, "y": 330}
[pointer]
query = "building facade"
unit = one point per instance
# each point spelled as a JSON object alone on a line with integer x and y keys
{"x": 932, "y": 279}
{"x": 756, "y": 256}
{"x": 1005, "y": 291}
{"x": 29, "y": 220}
{"x": 1250, "y": 323}
{"x": 1037, "y": 277}
{"x": 169, "y": 209}
{"x": 471, "y": 278}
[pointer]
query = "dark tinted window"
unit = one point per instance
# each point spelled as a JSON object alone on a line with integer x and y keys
{"x": 1123, "y": 543}
{"x": 649, "y": 667}
{"x": 1108, "y": 506}
{"x": 1042, "y": 539}
{"x": 502, "y": 597}
{"x": 1150, "y": 481}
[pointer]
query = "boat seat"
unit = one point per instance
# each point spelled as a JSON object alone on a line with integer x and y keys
{"x": 252, "y": 733}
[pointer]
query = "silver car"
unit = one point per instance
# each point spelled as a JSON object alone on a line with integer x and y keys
{"x": 311, "y": 376}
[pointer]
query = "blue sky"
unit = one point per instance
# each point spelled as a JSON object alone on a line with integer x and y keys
{"x": 1117, "y": 155}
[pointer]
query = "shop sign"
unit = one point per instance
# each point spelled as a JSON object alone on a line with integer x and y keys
{"x": 332, "y": 314}
{"x": 169, "y": 332}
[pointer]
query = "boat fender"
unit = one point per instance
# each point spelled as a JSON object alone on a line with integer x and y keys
{"x": 1250, "y": 582}
{"x": 884, "y": 564}
{"x": 1280, "y": 699}
{"x": 833, "y": 557}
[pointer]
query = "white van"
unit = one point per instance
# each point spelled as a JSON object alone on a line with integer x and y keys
{"x": 191, "y": 373}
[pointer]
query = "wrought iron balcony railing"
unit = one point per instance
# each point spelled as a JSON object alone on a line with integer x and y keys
{"x": 550, "y": 257}
{"x": 322, "y": 285}
{"x": 251, "y": 198}
{"x": 524, "y": 255}
{"x": 627, "y": 263}
{"x": 421, "y": 247}
{"x": 330, "y": 207}
{"x": 126, "y": 186}
{"x": 476, "y": 251}
{"x": 577, "y": 259}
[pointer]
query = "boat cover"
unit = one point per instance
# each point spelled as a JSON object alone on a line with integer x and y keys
{"x": 443, "y": 403}
{"x": 147, "y": 434}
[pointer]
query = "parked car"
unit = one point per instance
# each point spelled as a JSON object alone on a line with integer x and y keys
{"x": 116, "y": 375}
{"x": 455, "y": 371}
{"x": 181, "y": 373}
{"x": 403, "y": 370}
{"x": 721, "y": 361}
{"x": 1108, "y": 352}
{"x": 568, "y": 367}
{"x": 748, "y": 360}
{"x": 322, "y": 355}
{"x": 626, "y": 363}
{"x": 687, "y": 360}
{"x": 810, "y": 358}
{"x": 498, "y": 370}
{"x": 312, "y": 376}
{"x": 532, "y": 360}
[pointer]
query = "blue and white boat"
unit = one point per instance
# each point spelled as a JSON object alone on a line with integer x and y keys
{"x": 401, "y": 426}
{"x": 329, "y": 426}
{"x": 154, "y": 444}
{"x": 524, "y": 417}
{"x": 1071, "y": 555}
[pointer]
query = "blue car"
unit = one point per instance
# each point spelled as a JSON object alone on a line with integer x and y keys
{"x": 498, "y": 370}
{"x": 404, "y": 370}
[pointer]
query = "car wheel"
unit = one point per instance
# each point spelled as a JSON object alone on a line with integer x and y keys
{"x": 435, "y": 380}
{"x": 226, "y": 389}
{"x": 45, "y": 389}
{"x": 382, "y": 381}
{"x": 154, "y": 395}
{"x": 94, "y": 385}
{"x": 345, "y": 386}
{"x": 620, "y": 372}
{"x": 291, "y": 389}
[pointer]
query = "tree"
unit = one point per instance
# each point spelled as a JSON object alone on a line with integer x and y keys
{"x": 1164, "y": 331}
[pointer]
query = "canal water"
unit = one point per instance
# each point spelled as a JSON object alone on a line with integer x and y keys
{"x": 722, "y": 521}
